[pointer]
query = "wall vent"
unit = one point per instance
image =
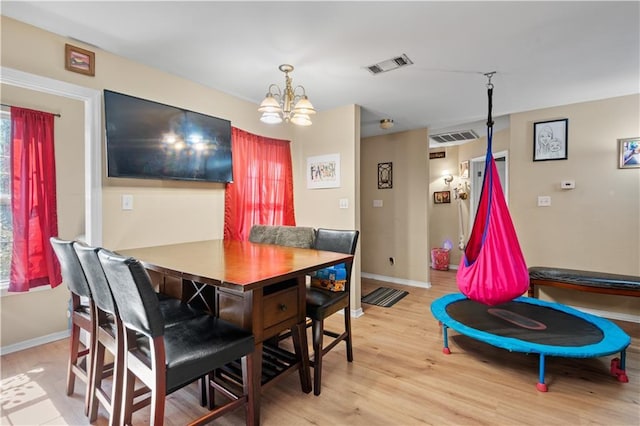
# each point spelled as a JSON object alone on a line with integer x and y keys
{"x": 390, "y": 64}
{"x": 463, "y": 135}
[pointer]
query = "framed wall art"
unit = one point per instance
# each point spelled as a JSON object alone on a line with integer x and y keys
{"x": 79, "y": 60}
{"x": 464, "y": 169}
{"x": 550, "y": 140}
{"x": 323, "y": 171}
{"x": 385, "y": 175}
{"x": 629, "y": 153}
{"x": 442, "y": 197}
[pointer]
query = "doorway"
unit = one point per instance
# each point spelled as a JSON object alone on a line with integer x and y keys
{"x": 476, "y": 176}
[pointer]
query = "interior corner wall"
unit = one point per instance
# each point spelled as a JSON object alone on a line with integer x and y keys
{"x": 397, "y": 229}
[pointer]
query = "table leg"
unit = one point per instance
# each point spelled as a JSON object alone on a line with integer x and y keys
{"x": 299, "y": 334}
{"x": 257, "y": 385}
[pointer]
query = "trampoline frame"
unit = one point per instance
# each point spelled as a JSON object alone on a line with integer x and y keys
{"x": 614, "y": 338}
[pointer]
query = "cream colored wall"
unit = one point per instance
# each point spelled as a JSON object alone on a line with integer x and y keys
{"x": 164, "y": 211}
{"x": 398, "y": 229}
{"x": 595, "y": 226}
{"x": 46, "y": 309}
{"x": 333, "y": 132}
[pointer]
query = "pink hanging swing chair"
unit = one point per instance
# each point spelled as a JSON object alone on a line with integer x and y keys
{"x": 492, "y": 269}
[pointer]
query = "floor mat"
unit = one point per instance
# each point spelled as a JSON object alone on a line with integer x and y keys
{"x": 384, "y": 296}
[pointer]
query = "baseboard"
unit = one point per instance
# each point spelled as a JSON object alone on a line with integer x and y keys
{"x": 610, "y": 315}
{"x": 34, "y": 342}
{"x": 394, "y": 280}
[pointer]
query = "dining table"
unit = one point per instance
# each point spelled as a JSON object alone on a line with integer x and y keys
{"x": 260, "y": 287}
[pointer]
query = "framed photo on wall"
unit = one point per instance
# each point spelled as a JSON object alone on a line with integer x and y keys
{"x": 550, "y": 140}
{"x": 323, "y": 171}
{"x": 629, "y": 153}
{"x": 79, "y": 60}
{"x": 442, "y": 197}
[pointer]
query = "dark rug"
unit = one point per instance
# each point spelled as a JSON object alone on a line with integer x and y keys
{"x": 384, "y": 296}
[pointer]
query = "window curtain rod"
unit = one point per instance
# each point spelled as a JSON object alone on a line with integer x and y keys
{"x": 54, "y": 114}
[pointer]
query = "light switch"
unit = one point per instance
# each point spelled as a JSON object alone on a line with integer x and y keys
{"x": 544, "y": 201}
{"x": 127, "y": 202}
{"x": 377, "y": 203}
{"x": 568, "y": 184}
{"x": 344, "y": 203}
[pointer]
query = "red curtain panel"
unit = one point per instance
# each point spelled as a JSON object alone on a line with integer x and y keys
{"x": 262, "y": 188}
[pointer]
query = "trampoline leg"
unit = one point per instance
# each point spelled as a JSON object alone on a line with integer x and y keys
{"x": 618, "y": 367}
{"x": 445, "y": 349}
{"x": 541, "y": 386}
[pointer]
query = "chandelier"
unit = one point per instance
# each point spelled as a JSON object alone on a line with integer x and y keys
{"x": 290, "y": 104}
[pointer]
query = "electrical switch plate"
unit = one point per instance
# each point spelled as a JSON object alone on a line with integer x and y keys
{"x": 377, "y": 203}
{"x": 127, "y": 202}
{"x": 568, "y": 184}
{"x": 544, "y": 201}
{"x": 344, "y": 203}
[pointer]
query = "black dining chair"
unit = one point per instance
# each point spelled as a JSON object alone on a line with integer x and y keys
{"x": 322, "y": 303}
{"x": 165, "y": 358}
{"x": 81, "y": 316}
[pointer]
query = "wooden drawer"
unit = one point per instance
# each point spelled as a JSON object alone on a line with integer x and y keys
{"x": 280, "y": 307}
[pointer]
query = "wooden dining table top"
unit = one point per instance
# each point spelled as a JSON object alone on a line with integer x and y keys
{"x": 235, "y": 264}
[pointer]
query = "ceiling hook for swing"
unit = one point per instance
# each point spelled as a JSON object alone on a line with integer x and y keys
{"x": 489, "y": 75}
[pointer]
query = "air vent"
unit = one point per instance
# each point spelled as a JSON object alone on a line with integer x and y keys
{"x": 463, "y": 135}
{"x": 390, "y": 64}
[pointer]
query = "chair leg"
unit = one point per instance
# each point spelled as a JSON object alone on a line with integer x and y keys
{"x": 74, "y": 343}
{"x": 318, "y": 334}
{"x": 127, "y": 398}
{"x": 347, "y": 327}
{"x": 97, "y": 367}
{"x": 248, "y": 388}
{"x": 118, "y": 379}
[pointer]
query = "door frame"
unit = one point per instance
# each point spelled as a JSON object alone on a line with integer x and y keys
{"x": 474, "y": 166}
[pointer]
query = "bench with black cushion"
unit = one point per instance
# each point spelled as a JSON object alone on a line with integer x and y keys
{"x": 589, "y": 281}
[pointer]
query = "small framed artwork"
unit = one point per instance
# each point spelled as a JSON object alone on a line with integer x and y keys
{"x": 438, "y": 154}
{"x": 323, "y": 171}
{"x": 385, "y": 175}
{"x": 464, "y": 170}
{"x": 629, "y": 152}
{"x": 550, "y": 140}
{"x": 79, "y": 60}
{"x": 442, "y": 197}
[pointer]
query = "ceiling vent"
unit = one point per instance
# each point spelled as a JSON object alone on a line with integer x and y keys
{"x": 463, "y": 135}
{"x": 390, "y": 64}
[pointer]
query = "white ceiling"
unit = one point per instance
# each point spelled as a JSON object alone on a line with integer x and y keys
{"x": 545, "y": 53}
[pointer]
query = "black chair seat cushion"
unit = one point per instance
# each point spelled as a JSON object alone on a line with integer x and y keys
{"x": 322, "y": 303}
{"x": 174, "y": 310}
{"x": 199, "y": 345}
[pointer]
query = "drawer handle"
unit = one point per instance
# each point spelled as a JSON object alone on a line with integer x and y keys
{"x": 282, "y": 307}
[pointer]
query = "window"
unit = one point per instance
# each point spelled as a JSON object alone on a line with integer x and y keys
{"x": 6, "y": 226}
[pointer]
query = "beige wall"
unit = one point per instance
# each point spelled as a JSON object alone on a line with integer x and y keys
{"x": 164, "y": 212}
{"x": 398, "y": 229}
{"x": 593, "y": 227}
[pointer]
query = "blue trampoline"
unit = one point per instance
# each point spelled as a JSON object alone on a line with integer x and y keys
{"x": 534, "y": 326}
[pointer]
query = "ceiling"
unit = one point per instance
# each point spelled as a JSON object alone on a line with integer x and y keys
{"x": 544, "y": 53}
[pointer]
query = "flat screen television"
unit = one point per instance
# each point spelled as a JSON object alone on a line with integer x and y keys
{"x": 150, "y": 140}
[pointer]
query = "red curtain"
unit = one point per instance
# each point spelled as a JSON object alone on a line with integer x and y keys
{"x": 33, "y": 200}
{"x": 262, "y": 188}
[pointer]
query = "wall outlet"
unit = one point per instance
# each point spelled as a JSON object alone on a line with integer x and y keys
{"x": 377, "y": 203}
{"x": 344, "y": 203}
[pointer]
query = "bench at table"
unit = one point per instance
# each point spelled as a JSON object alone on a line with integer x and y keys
{"x": 589, "y": 281}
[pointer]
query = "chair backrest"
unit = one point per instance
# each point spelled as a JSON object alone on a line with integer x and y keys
{"x": 339, "y": 241}
{"x": 133, "y": 292}
{"x": 265, "y": 234}
{"x": 96, "y": 278}
{"x": 295, "y": 236}
{"x": 72, "y": 272}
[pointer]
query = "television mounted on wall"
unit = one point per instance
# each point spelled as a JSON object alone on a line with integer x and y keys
{"x": 150, "y": 140}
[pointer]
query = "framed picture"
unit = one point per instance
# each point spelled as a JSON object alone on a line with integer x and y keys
{"x": 385, "y": 175}
{"x": 441, "y": 197}
{"x": 629, "y": 153}
{"x": 79, "y": 60}
{"x": 323, "y": 171}
{"x": 439, "y": 154}
{"x": 464, "y": 170}
{"x": 550, "y": 140}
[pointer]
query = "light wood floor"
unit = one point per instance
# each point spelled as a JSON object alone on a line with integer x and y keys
{"x": 399, "y": 377}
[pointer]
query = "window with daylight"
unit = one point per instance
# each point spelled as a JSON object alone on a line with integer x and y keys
{"x": 6, "y": 233}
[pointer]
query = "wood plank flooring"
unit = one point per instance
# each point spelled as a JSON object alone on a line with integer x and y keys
{"x": 399, "y": 377}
